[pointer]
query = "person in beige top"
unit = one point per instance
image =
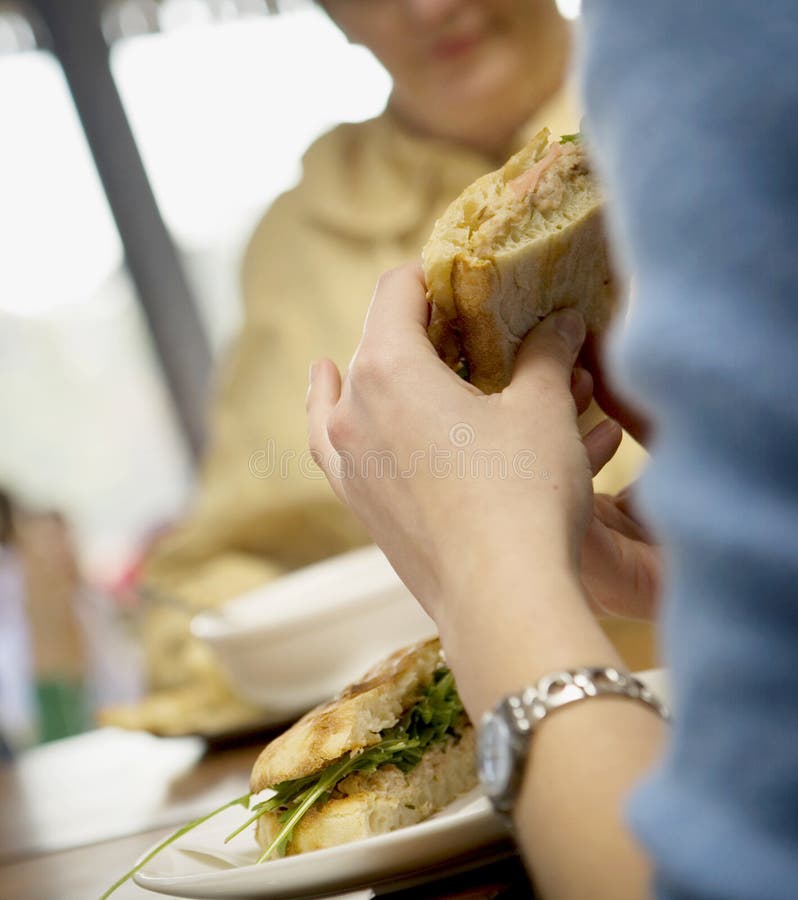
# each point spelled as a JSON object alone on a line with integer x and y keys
{"x": 472, "y": 79}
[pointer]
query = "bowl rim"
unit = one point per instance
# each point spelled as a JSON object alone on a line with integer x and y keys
{"x": 214, "y": 626}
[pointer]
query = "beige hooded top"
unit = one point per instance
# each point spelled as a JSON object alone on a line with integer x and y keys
{"x": 368, "y": 199}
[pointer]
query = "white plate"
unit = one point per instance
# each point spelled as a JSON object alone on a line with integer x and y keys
{"x": 201, "y": 866}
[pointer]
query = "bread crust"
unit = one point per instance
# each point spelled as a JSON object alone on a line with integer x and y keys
{"x": 486, "y": 299}
{"x": 352, "y": 720}
{"x": 371, "y": 803}
{"x": 498, "y": 301}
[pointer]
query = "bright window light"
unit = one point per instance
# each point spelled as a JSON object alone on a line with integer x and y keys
{"x": 570, "y": 8}
{"x": 56, "y": 228}
{"x": 223, "y": 112}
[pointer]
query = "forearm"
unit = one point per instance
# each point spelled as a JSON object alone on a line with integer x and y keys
{"x": 495, "y": 560}
{"x": 585, "y": 758}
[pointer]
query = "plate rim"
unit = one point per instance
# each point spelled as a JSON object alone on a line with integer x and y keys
{"x": 479, "y": 811}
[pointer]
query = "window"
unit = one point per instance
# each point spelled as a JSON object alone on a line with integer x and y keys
{"x": 88, "y": 428}
{"x": 222, "y": 109}
{"x": 222, "y": 112}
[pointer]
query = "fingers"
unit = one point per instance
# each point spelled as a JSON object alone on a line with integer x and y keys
{"x": 602, "y": 443}
{"x": 622, "y": 576}
{"x": 625, "y": 503}
{"x": 549, "y": 352}
{"x": 395, "y": 344}
{"x": 593, "y": 354}
{"x": 399, "y": 304}
{"x": 323, "y": 395}
{"x": 582, "y": 389}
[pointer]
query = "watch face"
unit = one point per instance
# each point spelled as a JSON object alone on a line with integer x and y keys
{"x": 495, "y": 755}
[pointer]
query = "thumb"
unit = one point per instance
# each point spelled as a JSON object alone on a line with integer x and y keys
{"x": 549, "y": 351}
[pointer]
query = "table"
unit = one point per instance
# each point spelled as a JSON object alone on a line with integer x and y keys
{"x": 76, "y": 813}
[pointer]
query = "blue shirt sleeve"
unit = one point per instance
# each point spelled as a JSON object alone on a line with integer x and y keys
{"x": 693, "y": 116}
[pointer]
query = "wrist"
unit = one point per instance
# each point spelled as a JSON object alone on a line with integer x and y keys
{"x": 517, "y": 575}
{"x": 500, "y": 639}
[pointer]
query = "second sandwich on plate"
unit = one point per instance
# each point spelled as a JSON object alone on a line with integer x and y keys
{"x": 389, "y": 751}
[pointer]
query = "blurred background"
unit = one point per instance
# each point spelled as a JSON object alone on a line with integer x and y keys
{"x": 141, "y": 142}
{"x": 222, "y": 100}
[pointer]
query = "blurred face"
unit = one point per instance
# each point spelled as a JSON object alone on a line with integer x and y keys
{"x": 461, "y": 65}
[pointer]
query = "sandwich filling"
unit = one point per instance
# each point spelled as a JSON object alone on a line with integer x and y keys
{"x": 510, "y": 213}
{"x": 517, "y": 244}
{"x": 437, "y": 717}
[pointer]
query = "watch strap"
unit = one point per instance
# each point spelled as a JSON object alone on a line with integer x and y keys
{"x": 524, "y": 712}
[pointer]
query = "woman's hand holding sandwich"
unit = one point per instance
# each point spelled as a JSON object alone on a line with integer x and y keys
{"x": 494, "y": 555}
{"x": 506, "y": 475}
{"x": 621, "y": 563}
{"x": 432, "y": 465}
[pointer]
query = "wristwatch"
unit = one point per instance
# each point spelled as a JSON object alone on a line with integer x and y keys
{"x": 505, "y": 733}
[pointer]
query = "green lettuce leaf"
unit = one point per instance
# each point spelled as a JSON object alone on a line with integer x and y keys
{"x": 433, "y": 719}
{"x": 239, "y": 801}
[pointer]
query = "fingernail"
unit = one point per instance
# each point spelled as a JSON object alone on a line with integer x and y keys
{"x": 311, "y": 372}
{"x": 571, "y": 327}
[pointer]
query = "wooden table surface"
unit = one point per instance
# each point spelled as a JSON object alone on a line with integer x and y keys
{"x": 75, "y": 815}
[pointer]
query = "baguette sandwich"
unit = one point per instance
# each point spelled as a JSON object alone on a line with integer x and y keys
{"x": 389, "y": 751}
{"x": 516, "y": 245}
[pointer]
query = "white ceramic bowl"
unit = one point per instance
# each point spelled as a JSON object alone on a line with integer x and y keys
{"x": 297, "y": 641}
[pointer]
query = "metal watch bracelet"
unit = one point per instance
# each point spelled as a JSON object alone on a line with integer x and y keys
{"x": 505, "y": 734}
{"x": 561, "y": 688}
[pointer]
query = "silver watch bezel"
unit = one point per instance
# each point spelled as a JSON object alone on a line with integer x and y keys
{"x": 511, "y": 712}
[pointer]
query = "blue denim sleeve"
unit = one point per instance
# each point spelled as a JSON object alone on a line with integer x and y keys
{"x": 693, "y": 116}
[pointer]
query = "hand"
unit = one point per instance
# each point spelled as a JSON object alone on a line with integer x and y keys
{"x": 621, "y": 564}
{"x": 467, "y": 480}
{"x": 607, "y": 396}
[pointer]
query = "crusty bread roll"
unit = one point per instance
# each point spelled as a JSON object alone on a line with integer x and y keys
{"x": 366, "y": 803}
{"x": 351, "y": 721}
{"x": 516, "y": 245}
{"x": 378, "y": 802}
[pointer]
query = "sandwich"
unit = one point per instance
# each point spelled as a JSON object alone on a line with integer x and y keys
{"x": 517, "y": 244}
{"x": 389, "y": 751}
